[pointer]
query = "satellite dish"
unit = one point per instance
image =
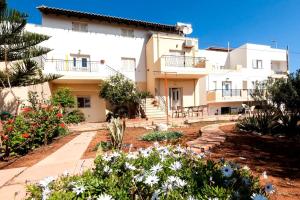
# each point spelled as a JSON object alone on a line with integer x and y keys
{"x": 184, "y": 28}
{"x": 187, "y": 30}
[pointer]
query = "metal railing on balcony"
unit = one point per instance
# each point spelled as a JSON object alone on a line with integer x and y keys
{"x": 184, "y": 61}
{"x": 230, "y": 94}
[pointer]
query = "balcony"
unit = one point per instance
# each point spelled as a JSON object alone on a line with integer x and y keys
{"x": 71, "y": 70}
{"x": 182, "y": 66}
{"x": 222, "y": 95}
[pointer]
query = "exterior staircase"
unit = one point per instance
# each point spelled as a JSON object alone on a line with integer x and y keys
{"x": 154, "y": 112}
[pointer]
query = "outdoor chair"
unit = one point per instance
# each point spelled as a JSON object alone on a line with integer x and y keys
{"x": 180, "y": 110}
{"x": 197, "y": 110}
{"x": 174, "y": 111}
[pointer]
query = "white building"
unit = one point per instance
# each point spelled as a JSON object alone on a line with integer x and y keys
{"x": 88, "y": 48}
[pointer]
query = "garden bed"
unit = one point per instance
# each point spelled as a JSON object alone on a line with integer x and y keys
{"x": 279, "y": 157}
{"x": 38, "y": 154}
{"x": 133, "y": 135}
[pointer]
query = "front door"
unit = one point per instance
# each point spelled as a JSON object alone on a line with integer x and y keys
{"x": 226, "y": 88}
{"x": 175, "y": 97}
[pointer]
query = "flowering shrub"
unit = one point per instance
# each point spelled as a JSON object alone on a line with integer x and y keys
{"x": 155, "y": 173}
{"x": 33, "y": 127}
{"x": 162, "y": 135}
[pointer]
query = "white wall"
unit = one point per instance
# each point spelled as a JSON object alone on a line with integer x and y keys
{"x": 102, "y": 42}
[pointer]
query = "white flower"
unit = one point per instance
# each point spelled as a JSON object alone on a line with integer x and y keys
{"x": 201, "y": 155}
{"x": 78, "y": 189}
{"x": 155, "y": 195}
{"x": 115, "y": 154}
{"x": 227, "y": 171}
{"x": 151, "y": 180}
{"x": 176, "y": 166}
{"x": 66, "y": 173}
{"x": 167, "y": 187}
{"x": 45, "y": 193}
{"x": 145, "y": 152}
{"x": 191, "y": 198}
{"x": 156, "y": 144}
{"x": 131, "y": 156}
{"x": 156, "y": 168}
{"x": 162, "y": 158}
{"x": 105, "y": 197}
{"x": 107, "y": 169}
{"x": 139, "y": 178}
{"x": 107, "y": 157}
{"x": 246, "y": 168}
{"x": 129, "y": 166}
{"x": 269, "y": 188}
{"x": 258, "y": 197}
{"x": 180, "y": 183}
{"x": 45, "y": 182}
{"x": 264, "y": 175}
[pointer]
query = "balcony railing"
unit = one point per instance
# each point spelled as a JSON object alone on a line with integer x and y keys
{"x": 230, "y": 94}
{"x": 184, "y": 61}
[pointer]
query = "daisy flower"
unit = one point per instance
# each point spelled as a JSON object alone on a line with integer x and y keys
{"x": 129, "y": 166}
{"x": 131, "y": 156}
{"x": 269, "y": 188}
{"x": 107, "y": 169}
{"x": 227, "y": 171}
{"x": 151, "y": 180}
{"x": 78, "y": 189}
{"x": 155, "y": 195}
{"x": 176, "y": 166}
{"x": 156, "y": 168}
{"x": 105, "y": 197}
{"x": 46, "y": 181}
{"x": 258, "y": 197}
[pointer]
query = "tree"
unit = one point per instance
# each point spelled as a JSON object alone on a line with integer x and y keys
{"x": 17, "y": 49}
{"x": 63, "y": 97}
{"x": 121, "y": 93}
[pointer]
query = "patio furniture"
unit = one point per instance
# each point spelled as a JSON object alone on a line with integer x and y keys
{"x": 181, "y": 110}
{"x": 197, "y": 110}
{"x": 174, "y": 111}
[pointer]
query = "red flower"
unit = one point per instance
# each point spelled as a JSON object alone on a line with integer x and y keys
{"x": 59, "y": 115}
{"x": 5, "y": 137}
{"x": 10, "y": 128}
{"x": 26, "y": 109}
{"x": 10, "y": 121}
{"x": 25, "y": 135}
{"x": 62, "y": 125}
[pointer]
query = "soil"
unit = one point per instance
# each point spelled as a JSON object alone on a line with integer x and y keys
{"x": 38, "y": 154}
{"x": 279, "y": 157}
{"x": 133, "y": 135}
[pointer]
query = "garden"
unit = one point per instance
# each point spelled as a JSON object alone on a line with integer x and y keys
{"x": 38, "y": 124}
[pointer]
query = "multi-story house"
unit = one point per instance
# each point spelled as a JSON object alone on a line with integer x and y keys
{"x": 89, "y": 48}
{"x": 235, "y": 72}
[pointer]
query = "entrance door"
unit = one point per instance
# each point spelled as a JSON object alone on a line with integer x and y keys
{"x": 176, "y": 97}
{"x": 226, "y": 88}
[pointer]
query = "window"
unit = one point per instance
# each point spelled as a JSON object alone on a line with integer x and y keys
{"x": 84, "y": 62}
{"x": 74, "y": 62}
{"x": 128, "y": 64}
{"x": 127, "y": 32}
{"x": 257, "y": 64}
{"x": 83, "y": 102}
{"x": 80, "y": 26}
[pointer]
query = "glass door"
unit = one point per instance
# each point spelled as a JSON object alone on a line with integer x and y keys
{"x": 226, "y": 88}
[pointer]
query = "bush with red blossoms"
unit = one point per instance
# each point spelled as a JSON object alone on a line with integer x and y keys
{"x": 35, "y": 126}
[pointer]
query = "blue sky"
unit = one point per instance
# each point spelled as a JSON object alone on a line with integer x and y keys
{"x": 215, "y": 22}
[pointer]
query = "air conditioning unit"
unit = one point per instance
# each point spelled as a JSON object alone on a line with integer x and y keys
{"x": 189, "y": 43}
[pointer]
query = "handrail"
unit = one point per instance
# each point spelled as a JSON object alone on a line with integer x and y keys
{"x": 161, "y": 101}
{"x": 182, "y": 61}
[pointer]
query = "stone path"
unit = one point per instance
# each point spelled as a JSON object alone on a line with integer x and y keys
{"x": 67, "y": 158}
{"x": 211, "y": 137}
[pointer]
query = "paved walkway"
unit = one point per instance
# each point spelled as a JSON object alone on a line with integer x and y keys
{"x": 211, "y": 137}
{"x": 67, "y": 158}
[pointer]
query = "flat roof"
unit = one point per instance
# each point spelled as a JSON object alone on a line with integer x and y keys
{"x": 222, "y": 49}
{"x": 110, "y": 19}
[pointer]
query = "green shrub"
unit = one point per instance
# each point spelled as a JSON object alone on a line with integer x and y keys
{"x": 63, "y": 97}
{"x": 162, "y": 135}
{"x": 116, "y": 132}
{"x": 74, "y": 117}
{"x": 164, "y": 173}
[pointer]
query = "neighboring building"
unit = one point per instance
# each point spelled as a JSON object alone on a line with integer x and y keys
{"x": 235, "y": 72}
{"x": 89, "y": 48}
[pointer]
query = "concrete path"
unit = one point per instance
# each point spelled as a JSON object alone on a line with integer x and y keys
{"x": 67, "y": 158}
